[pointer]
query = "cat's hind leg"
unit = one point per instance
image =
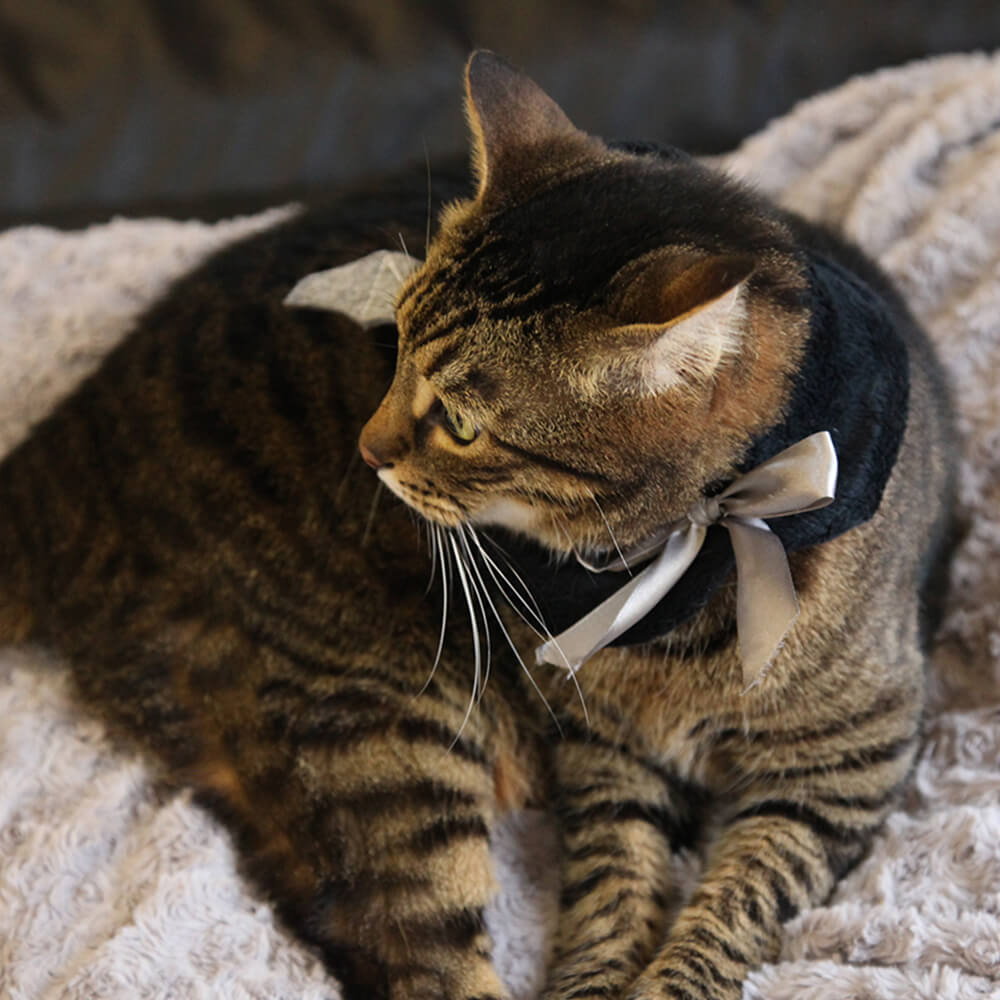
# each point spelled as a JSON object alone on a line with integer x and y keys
{"x": 379, "y": 855}
{"x": 351, "y": 799}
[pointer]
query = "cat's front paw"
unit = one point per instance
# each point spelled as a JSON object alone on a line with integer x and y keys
{"x": 686, "y": 974}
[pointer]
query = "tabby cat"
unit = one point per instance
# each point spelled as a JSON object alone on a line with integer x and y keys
{"x": 601, "y": 338}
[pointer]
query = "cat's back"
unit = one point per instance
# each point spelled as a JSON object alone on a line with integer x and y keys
{"x": 216, "y": 446}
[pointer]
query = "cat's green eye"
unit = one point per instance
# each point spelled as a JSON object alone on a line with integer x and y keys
{"x": 460, "y": 426}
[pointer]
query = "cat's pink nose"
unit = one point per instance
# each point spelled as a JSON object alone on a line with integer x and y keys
{"x": 370, "y": 457}
{"x": 378, "y": 445}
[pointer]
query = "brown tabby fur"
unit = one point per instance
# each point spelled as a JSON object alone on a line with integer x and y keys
{"x": 191, "y": 529}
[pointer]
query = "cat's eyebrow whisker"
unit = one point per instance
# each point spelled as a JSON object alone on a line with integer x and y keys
{"x": 468, "y": 530}
{"x": 607, "y": 524}
{"x": 427, "y": 162}
{"x": 402, "y": 243}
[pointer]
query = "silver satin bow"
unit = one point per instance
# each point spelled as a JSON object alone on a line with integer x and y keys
{"x": 799, "y": 479}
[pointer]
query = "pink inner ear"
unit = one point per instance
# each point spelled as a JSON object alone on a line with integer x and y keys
{"x": 508, "y": 112}
{"x": 662, "y": 294}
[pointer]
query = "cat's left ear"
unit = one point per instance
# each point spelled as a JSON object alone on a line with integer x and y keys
{"x": 510, "y": 115}
{"x": 681, "y": 322}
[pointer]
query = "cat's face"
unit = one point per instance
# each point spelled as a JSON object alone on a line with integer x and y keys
{"x": 593, "y": 339}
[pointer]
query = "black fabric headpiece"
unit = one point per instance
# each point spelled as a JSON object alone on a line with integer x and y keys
{"x": 854, "y": 383}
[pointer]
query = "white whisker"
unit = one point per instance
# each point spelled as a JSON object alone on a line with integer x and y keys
{"x": 352, "y": 464}
{"x": 479, "y": 592}
{"x": 371, "y": 514}
{"x": 545, "y": 632}
{"x": 493, "y": 569}
{"x": 445, "y": 588}
{"x": 432, "y": 545}
{"x": 525, "y": 596}
{"x": 482, "y": 596}
{"x": 477, "y": 651}
{"x": 512, "y": 594}
{"x": 614, "y": 541}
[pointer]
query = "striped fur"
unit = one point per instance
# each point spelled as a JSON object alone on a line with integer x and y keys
{"x": 191, "y": 528}
{"x": 195, "y": 530}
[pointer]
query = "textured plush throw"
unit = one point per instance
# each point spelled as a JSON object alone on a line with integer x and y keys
{"x": 109, "y": 891}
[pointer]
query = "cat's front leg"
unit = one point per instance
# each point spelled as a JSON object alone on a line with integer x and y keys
{"x": 790, "y": 836}
{"x": 621, "y": 816}
{"x": 764, "y": 870}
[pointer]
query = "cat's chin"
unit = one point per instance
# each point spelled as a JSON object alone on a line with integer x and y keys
{"x": 522, "y": 519}
{"x": 514, "y": 515}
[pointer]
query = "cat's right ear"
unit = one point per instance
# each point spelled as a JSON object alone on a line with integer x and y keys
{"x": 509, "y": 115}
{"x": 681, "y": 321}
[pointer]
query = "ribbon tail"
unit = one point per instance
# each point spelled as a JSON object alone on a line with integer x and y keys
{"x": 766, "y": 606}
{"x": 626, "y": 606}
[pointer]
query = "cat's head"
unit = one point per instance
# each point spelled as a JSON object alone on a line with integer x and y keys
{"x": 594, "y": 338}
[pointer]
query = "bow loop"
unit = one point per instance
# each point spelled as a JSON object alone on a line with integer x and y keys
{"x": 799, "y": 479}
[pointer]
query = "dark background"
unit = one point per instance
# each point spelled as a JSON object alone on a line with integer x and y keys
{"x": 209, "y": 107}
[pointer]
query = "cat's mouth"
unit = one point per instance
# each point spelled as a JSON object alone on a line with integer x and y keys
{"x": 511, "y": 514}
{"x": 430, "y": 505}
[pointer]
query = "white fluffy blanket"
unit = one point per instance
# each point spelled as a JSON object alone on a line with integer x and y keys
{"x": 106, "y": 891}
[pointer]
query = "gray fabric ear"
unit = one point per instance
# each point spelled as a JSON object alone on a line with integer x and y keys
{"x": 364, "y": 290}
